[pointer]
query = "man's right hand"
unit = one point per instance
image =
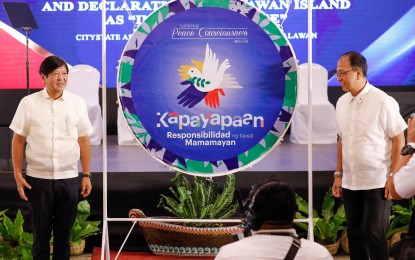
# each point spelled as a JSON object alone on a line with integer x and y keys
{"x": 21, "y": 185}
{"x": 337, "y": 187}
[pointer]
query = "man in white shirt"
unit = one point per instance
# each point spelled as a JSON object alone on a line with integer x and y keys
{"x": 403, "y": 186}
{"x": 270, "y": 211}
{"x": 54, "y": 123}
{"x": 370, "y": 139}
{"x": 403, "y": 181}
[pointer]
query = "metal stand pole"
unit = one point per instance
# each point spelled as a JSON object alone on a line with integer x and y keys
{"x": 27, "y": 30}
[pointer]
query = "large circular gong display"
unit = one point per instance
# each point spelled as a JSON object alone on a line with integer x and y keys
{"x": 208, "y": 87}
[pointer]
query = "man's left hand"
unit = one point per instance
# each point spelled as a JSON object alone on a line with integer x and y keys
{"x": 86, "y": 187}
{"x": 388, "y": 187}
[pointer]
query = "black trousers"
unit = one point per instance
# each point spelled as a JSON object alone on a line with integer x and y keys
{"x": 367, "y": 214}
{"x": 52, "y": 207}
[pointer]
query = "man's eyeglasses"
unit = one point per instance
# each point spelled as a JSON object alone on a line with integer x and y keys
{"x": 341, "y": 74}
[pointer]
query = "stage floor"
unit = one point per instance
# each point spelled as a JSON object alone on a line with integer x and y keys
{"x": 284, "y": 157}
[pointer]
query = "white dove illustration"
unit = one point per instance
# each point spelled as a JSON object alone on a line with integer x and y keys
{"x": 205, "y": 80}
{"x": 212, "y": 76}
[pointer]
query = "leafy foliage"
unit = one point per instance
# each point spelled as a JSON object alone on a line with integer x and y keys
{"x": 326, "y": 227}
{"x": 81, "y": 227}
{"x": 400, "y": 217}
{"x": 202, "y": 201}
{"x": 16, "y": 243}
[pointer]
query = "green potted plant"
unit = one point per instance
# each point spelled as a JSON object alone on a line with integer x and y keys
{"x": 82, "y": 228}
{"x": 202, "y": 200}
{"x": 400, "y": 218}
{"x": 327, "y": 225}
{"x": 15, "y": 242}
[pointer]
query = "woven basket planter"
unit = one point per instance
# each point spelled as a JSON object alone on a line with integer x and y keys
{"x": 396, "y": 237}
{"x": 78, "y": 250}
{"x": 75, "y": 249}
{"x": 344, "y": 242}
{"x": 169, "y": 239}
{"x": 333, "y": 248}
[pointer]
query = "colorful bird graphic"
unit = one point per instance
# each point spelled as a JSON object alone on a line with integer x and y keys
{"x": 206, "y": 80}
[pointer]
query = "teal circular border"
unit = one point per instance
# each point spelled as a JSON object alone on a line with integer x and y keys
{"x": 208, "y": 168}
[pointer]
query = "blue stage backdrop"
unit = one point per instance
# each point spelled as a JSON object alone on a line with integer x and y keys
{"x": 382, "y": 30}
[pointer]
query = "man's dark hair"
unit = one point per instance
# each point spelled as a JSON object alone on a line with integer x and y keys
{"x": 50, "y": 64}
{"x": 357, "y": 60}
{"x": 276, "y": 204}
